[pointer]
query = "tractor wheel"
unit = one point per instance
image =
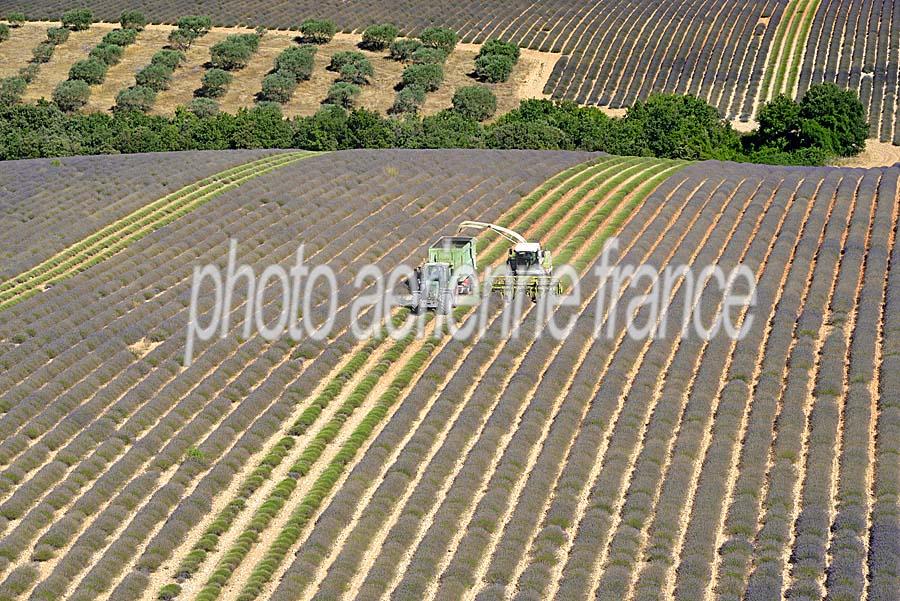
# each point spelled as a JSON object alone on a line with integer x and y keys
{"x": 445, "y": 305}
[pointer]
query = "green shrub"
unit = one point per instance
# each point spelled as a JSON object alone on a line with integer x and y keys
{"x": 354, "y": 67}
{"x": 342, "y": 94}
{"x": 439, "y": 37}
{"x": 78, "y": 19}
{"x": 109, "y": 54}
{"x": 230, "y": 55}
{"x": 234, "y": 52}
{"x": 250, "y": 39}
{"x": 298, "y": 61}
{"x": 493, "y": 68}
{"x": 318, "y": 31}
{"x": 214, "y": 83}
{"x": 135, "y": 98}
{"x": 4, "y": 32}
{"x": 403, "y": 49}
{"x": 194, "y": 26}
{"x": 29, "y": 72}
{"x": 428, "y": 56}
{"x": 120, "y": 37}
{"x": 498, "y": 48}
{"x": 475, "y": 102}
{"x": 357, "y": 73}
{"x": 11, "y": 90}
{"x": 71, "y": 95}
{"x": 90, "y": 70}
{"x": 133, "y": 19}
{"x": 156, "y": 77}
{"x": 167, "y": 58}
{"x": 277, "y": 87}
{"x": 203, "y": 107}
{"x": 339, "y": 59}
{"x": 449, "y": 129}
{"x": 678, "y": 127}
{"x": 525, "y": 134}
{"x": 179, "y": 39}
{"x": 169, "y": 592}
{"x": 428, "y": 77}
{"x": 57, "y": 35}
{"x": 379, "y": 37}
{"x": 16, "y": 19}
{"x": 42, "y": 52}
{"x": 834, "y": 120}
{"x": 409, "y": 100}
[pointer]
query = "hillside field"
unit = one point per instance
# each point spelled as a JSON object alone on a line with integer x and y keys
{"x": 493, "y": 467}
{"x": 526, "y": 81}
{"x": 735, "y": 53}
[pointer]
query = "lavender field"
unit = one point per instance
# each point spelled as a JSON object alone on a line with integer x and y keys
{"x": 493, "y": 467}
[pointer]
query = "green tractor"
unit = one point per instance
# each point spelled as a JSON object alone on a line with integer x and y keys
{"x": 449, "y": 273}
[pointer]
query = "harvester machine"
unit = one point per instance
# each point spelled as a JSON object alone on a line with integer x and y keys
{"x": 529, "y": 267}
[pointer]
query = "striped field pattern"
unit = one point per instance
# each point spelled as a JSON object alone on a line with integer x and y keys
{"x": 506, "y": 465}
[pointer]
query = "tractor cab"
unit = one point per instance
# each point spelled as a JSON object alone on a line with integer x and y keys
{"x": 527, "y": 258}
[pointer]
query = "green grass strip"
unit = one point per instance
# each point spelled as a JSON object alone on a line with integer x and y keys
{"x": 117, "y": 236}
{"x": 209, "y": 540}
{"x": 657, "y": 172}
{"x": 775, "y": 49}
{"x": 597, "y": 194}
{"x": 283, "y": 490}
{"x": 131, "y": 218}
{"x": 802, "y": 41}
{"x": 786, "y": 55}
{"x": 613, "y": 226}
{"x": 783, "y": 69}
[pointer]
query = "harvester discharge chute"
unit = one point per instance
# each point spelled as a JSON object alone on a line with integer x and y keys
{"x": 530, "y": 267}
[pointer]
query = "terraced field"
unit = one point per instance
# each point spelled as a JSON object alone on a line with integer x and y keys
{"x": 507, "y": 465}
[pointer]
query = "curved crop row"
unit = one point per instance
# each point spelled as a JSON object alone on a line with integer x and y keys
{"x": 786, "y": 53}
{"x": 54, "y": 203}
{"x": 358, "y": 248}
{"x": 615, "y": 51}
{"x": 119, "y": 234}
{"x": 847, "y": 567}
{"x": 740, "y": 519}
{"x": 883, "y": 553}
{"x": 436, "y": 421}
{"x": 773, "y": 539}
{"x": 247, "y": 408}
{"x": 253, "y": 586}
{"x": 220, "y": 525}
{"x": 856, "y": 45}
{"x": 601, "y": 496}
{"x": 628, "y": 543}
{"x": 827, "y": 419}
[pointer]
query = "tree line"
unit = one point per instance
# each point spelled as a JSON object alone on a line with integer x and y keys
{"x": 827, "y": 122}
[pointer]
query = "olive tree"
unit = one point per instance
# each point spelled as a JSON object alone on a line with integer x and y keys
{"x": 71, "y": 95}
{"x": 318, "y": 31}
{"x": 475, "y": 102}
{"x": 78, "y": 19}
{"x": 379, "y": 37}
